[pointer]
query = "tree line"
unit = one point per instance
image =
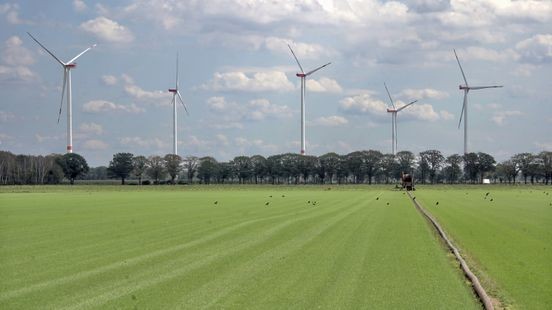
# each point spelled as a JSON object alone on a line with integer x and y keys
{"x": 370, "y": 166}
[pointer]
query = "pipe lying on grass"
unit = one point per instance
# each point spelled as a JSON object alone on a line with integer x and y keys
{"x": 479, "y": 290}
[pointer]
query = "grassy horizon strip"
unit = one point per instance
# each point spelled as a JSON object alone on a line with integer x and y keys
{"x": 506, "y": 239}
{"x": 161, "y": 248}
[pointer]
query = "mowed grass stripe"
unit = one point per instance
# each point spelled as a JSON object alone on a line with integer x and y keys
{"x": 171, "y": 250}
{"x": 506, "y": 240}
{"x": 222, "y": 253}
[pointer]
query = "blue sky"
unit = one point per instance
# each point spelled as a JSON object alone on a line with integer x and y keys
{"x": 238, "y": 80}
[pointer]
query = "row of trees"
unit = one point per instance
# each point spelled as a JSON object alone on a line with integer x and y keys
{"x": 369, "y": 166}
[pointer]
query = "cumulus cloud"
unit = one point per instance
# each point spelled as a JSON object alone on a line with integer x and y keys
{"x": 16, "y": 60}
{"x": 109, "y": 80}
{"x": 324, "y": 84}
{"x": 423, "y": 93}
{"x": 99, "y": 106}
{"x": 536, "y": 50}
{"x": 254, "y": 110}
{"x": 107, "y": 30}
{"x": 95, "y": 145}
{"x": 240, "y": 81}
{"x": 6, "y": 116}
{"x": 11, "y": 11}
{"x": 144, "y": 142}
{"x": 500, "y": 117}
{"x": 79, "y": 5}
{"x": 91, "y": 128}
{"x": 367, "y": 104}
{"x": 330, "y": 121}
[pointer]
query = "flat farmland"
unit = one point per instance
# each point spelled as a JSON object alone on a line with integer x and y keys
{"x": 222, "y": 247}
{"x": 505, "y": 234}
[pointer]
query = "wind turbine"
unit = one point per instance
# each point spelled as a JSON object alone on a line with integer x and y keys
{"x": 67, "y": 66}
{"x": 303, "y": 77}
{"x": 176, "y": 93}
{"x": 466, "y": 88}
{"x": 394, "y": 112}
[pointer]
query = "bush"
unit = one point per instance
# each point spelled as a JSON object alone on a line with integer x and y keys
{"x": 146, "y": 182}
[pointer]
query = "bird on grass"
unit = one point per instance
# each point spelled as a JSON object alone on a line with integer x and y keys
{"x": 437, "y": 203}
{"x": 491, "y": 199}
{"x": 388, "y": 203}
{"x": 216, "y": 202}
{"x": 267, "y": 203}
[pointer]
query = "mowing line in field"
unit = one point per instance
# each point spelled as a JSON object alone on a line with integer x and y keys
{"x": 224, "y": 284}
{"x": 479, "y": 290}
{"x": 145, "y": 279}
{"x": 138, "y": 259}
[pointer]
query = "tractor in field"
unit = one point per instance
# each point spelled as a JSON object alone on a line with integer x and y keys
{"x": 407, "y": 181}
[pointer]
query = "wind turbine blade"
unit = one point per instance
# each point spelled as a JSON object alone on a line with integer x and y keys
{"x": 461, "y": 70}
{"x": 312, "y": 71}
{"x": 404, "y": 107}
{"x": 79, "y": 55}
{"x": 44, "y": 47}
{"x": 176, "y": 70}
{"x": 298, "y": 63}
{"x": 463, "y": 107}
{"x": 182, "y": 102}
{"x": 62, "y": 92}
{"x": 483, "y": 87}
{"x": 388, "y": 94}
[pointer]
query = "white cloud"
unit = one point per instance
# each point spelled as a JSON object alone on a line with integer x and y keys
{"x": 219, "y": 104}
{"x": 423, "y": 93}
{"x": 6, "y": 116}
{"x": 144, "y": 142}
{"x": 301, "y": 50}
{"x": 91, "y": 128}
{"x": 107, "y": 30}
{"x": 79, "y": 5}
{"x": 330, "y": 121}
{"x": 536, "y": 50}
{"x": 109, "y": 80}
{"x": 15, "y": 61}
{"x": 364, "y": 104}
{"x": 545, "y": 146}
{"x": 4, "y": 137}
{"x": 240, "y": 81}
{"x": 222, "y": 139}
{"x": 98, "y": 106}
{"x": 41, "y": 138}
{"x": 156, "y": 97}
{"x": 324, "y": 84}
{"x": 500, "y": 117}
{"x": 446, "y": 115}
{"x": 95, "y": 145}
{"x": 12, "y": 14}
{"x": 260, "y": 109}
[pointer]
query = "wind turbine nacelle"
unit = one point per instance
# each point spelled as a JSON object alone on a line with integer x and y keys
{"x": 300, "y": 74}
{"x": 172, "y": 90}
{"x": 391, "y": 110}
{"x": 73, "y": 65}
{"x": 463, "y": 87}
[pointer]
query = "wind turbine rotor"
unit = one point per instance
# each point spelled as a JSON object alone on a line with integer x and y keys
{"x": 461, "y": 70}
{"x": 463, "y": 107}
{"x": 389, "y": 94}
{"x": 297, "y": 60}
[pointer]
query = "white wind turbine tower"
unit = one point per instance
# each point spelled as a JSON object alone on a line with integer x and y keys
{"x": 303, "y": 77}
{"x": 464, "y": 112}
{"x": 67, "y": 66}
{"x": 394, "y": 112}
{"x": 176, "y": 93}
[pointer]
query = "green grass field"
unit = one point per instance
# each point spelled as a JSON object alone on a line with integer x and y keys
{"x": 163, "y": 247}
{"x": 508, "y": 240}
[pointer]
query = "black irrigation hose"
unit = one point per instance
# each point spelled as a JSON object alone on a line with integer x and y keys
{"x": 479, "y": 290}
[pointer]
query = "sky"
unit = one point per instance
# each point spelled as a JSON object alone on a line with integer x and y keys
{"x": 237, "y": 76}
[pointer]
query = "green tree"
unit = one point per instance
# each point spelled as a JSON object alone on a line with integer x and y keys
{"x": 73, "y": 165}
{"x": 172, "y": 165}
{"x": 156, "y": 168}
{"x": 355, "y": 165}
{"x": 225, "y": 172}
{"x": 121, "y": 166}
{"x": 140, "y": 166}
{"x": 546, "y": 159}
{"x": 274, "y": 167}
{"x": 259, "y": 167}
{"x": 434, "y": 160}
{"x": 405, "y": 162}
{"x": 524, "y": 162}
{"x": 485, "y": 165}
{"x": 207, "y": 169}
{"x": 388, "y": 166}
{"x": 471, "y": 168}
{"x": 306, "y": 165}
{"x": 190, "y": 165}
{"x": 453, "y": 171}
{"x": 243, "y": 168}
{"x": 329, "y": 163}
